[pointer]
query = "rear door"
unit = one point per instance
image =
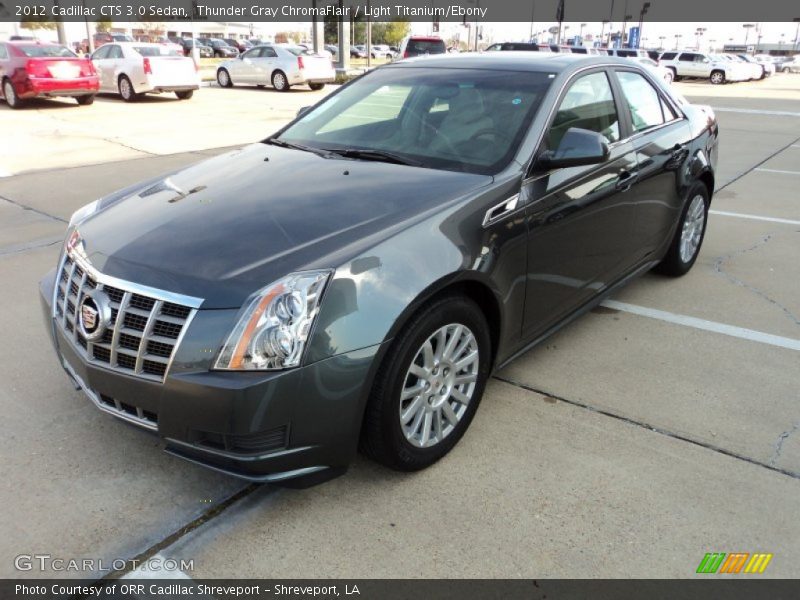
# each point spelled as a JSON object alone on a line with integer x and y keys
{"x": 661, "y": 137}
{"x": 580, "y": 219}
{"x": 4, "y": 62}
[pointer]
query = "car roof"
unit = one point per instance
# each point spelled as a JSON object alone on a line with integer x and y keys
{"x": 552, "y": 62}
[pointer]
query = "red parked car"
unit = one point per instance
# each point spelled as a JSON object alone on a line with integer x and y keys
{"x": 33, "y": 69}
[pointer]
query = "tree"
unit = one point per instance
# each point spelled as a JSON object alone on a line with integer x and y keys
{"x": 103, "y": 25}
{"x": 395, "y": 31}
{"x": 34, "y": 23}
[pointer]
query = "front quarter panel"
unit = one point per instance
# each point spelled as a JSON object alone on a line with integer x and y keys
{"x": 370, "y": 297}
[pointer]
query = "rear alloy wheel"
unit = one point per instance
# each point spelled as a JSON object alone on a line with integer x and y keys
{"x": 10, "y": 95}
{"x": 85, "y": 100}
{"x": 429, "y": 386}
{"x": 279, "y": 81}
{"x": 688, "y": 239}
{"x": 717, "y": 77}
{"x": 224, "y": 78}
{"x": 185, "y": 95}
{"x": 316, "y": 86}
{"x": 126, "y": 89}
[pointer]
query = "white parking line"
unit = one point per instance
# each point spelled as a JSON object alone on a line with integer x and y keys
{"x": 753, "y": 217}
{"x": 752, "y": 111}
{"x": 713, "y": 326}
{"x": 777, "y": 171}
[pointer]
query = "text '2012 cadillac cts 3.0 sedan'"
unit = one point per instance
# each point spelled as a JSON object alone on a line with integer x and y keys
{"x": 353, "y": 280}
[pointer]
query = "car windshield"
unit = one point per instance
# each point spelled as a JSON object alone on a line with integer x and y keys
{"x": 455, "y": 119}
{"x": 46, "y": 51}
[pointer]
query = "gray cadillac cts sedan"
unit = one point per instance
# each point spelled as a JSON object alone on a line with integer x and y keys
{"x": 351, "y": 281}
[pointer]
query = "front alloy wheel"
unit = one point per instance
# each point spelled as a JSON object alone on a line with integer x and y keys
{"x": 439, "y": 385}
{"x": 429, "y": 385}
{"x": 279, "y": 81}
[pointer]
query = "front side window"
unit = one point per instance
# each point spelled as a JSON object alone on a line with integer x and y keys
{"x": 588, "y": 104}
{"x": 3, "y": 52}
{"x": 687, "y": 57}
{"x": 469, "y": 120}
{"x": 115, "y": 52}
{"x": 643, "y": 100}
{"x": 101, "y": 53}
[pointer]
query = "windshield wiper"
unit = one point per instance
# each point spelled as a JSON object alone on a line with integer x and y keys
{"x": 377, "y": 155}
{"x": 284, "y": 144}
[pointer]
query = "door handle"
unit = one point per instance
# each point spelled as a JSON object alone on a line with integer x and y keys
{"x": 625, "y": 180}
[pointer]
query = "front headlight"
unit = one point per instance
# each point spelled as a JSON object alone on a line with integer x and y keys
{"x": 273, "y": 329}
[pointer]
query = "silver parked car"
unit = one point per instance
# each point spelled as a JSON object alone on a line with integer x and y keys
{"x": 278, "y": 65}
{"x": 790, "y": 66}
{"x": 135, "y": 68}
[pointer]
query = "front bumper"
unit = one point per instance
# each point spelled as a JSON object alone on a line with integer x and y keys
{"x": 265, "y": 427}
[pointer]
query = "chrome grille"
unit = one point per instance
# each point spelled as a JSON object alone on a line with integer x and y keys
{"x": 146, "y": 324}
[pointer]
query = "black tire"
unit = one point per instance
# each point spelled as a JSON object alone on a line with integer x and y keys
{"x": 674, "y": 73}
{"x": 280, "y": 82}
{"x": 316, "y": 86}
{"x": 10, "y": 94}
{"x": 673, "y": 264}
{"x": 382, "y": 437}
{"x": 85, "y": 100}
{"x": 224, "y": 78}
{"x": 717, "y": 77}
{"x": 185, "y": 95}
{"x": 126, "y": 89}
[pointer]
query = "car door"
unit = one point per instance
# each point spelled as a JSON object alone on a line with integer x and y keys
{"x": 267, "y": 63}
{"x": 661, "y": 138}
{"x": 579, "y": 219}
{"x": 245, "y": 70}
{"x": 114, "y": 63}
{"x": 103, "y": 66}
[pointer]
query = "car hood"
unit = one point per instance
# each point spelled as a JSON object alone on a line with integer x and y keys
{"x": 225, "y": 227}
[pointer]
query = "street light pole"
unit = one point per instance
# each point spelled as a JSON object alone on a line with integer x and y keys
{"x": 747, "y": 27}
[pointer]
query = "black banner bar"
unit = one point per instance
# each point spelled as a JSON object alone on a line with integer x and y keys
{"x": 702, "y": 588}
{"x": 387, "y": 10}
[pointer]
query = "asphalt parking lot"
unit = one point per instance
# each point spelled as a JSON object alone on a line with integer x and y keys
{"x": 661, "y": 426}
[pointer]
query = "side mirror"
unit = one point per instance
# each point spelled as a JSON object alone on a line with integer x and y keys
{"x": 303, "y": 110}
{"x": 578, "y": 147}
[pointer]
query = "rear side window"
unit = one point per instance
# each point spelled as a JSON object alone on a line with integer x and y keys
{"x": 426, "y": 46}
{"x": 3, "y": 52}
{"x": 644, "y": 102}
{"x": 588, "y": 104}
{"x": 268, "y": 52}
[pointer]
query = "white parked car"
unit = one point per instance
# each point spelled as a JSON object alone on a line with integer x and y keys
{"x": 663, "y": 72}
{"x": 754, "y": 70}
{"x": 791, "y": 66}
{"x": 278, "y": 65}
{"x": 704, "y": 66}
{"x": 381, "y": 51}
{"x": 767, "y": 68}
{"x": 133, "y": 68}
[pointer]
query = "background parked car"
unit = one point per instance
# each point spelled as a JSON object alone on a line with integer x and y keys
{"x": 767, "y": 68}
{"x": 31, "y": 69}
{"x": 381, "y": 51}
{"x": 358, "y": 51}
{"x": 133, "y": 69}
{"x": 791, "y": 66}
{"x": 662, "y": 72}
{"x": 220, "y": 48}
{"x": 704, "y": 66}
{"x": 416, "y": 45}
{"x": 188, "y": 43}
{"x": 278, "y": 65}
{"x": 240, "y": 45}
